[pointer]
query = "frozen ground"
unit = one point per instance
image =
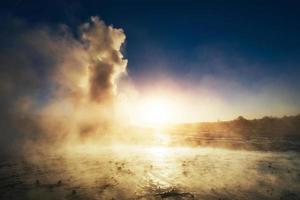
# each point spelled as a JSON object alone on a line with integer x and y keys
{"x": 153, "y": 172}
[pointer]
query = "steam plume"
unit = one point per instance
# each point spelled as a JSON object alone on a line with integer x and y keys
{"x": 48, "y": 72}
{"x": 106, "y": 62}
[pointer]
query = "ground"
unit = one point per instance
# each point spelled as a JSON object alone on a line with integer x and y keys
{"x": 151, "y": 172}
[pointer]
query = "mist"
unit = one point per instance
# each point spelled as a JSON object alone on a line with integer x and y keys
{"x": 220, "y": 81}
{"x": 57, "y": 86}
{"x": 72, "y": 127}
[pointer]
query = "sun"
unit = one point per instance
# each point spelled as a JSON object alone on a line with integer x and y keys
{"x": 155, "y": 111}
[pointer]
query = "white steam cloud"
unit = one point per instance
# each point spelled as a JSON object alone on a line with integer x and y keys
{"x": 55, "y": 85}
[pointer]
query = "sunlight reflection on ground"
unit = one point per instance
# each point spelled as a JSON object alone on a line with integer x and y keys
{"x": 156, "y": 172}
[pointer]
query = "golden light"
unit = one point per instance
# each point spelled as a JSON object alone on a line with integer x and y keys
{"x": 154, "y": 111}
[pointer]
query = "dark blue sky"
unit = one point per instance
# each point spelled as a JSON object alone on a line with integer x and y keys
{"x": 253, "y": 43}
{"x": 260, "y": 31}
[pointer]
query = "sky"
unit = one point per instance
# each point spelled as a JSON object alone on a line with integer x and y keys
{"x": 228, "y": 58}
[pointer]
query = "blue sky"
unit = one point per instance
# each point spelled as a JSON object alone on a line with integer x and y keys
{"x": 240, "y": 50}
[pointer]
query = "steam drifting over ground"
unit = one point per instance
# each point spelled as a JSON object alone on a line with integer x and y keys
{"x": 65, "y": 134}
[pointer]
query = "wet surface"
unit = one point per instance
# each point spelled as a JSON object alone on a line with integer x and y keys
{"x": 141, "y": 172}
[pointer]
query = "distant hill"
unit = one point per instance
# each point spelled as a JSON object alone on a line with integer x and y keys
{"x": 267, "y": 133}
{"x": 288, "y": 126}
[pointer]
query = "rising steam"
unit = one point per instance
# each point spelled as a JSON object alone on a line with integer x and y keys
{"x": 54, "y": 85}
{"x": 106, "y": 62}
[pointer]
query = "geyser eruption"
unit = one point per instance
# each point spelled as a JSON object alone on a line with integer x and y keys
{"x": 100, "y": 66}
{"x": 92, "y": 106}
{"x": 105, "y": 60}
{"x": 56, "y": 85}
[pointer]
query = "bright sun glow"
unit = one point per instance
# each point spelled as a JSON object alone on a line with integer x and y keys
{"x": 155, "y": 111}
